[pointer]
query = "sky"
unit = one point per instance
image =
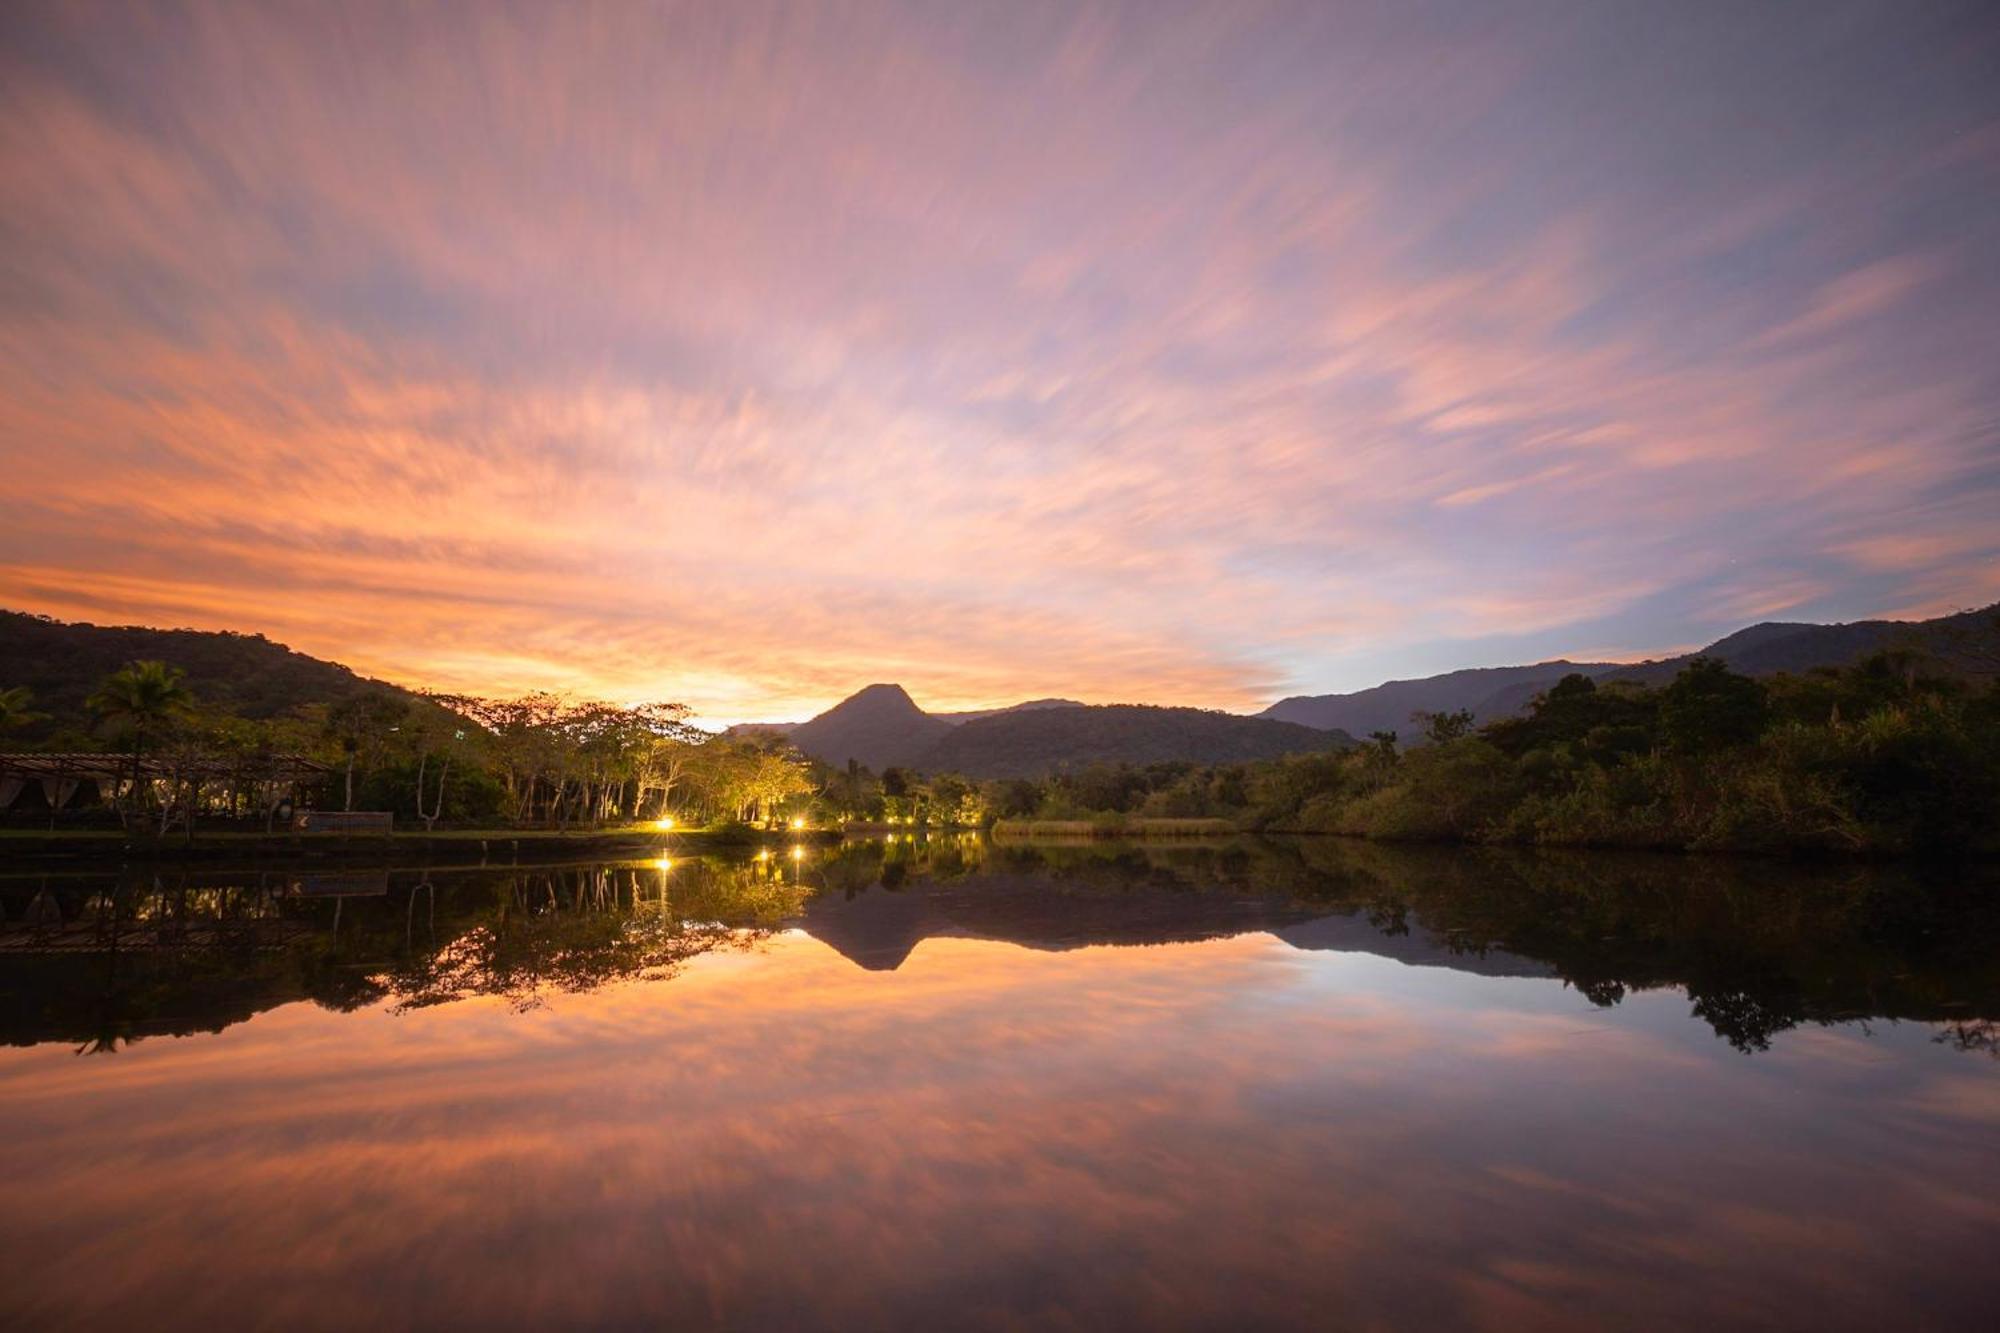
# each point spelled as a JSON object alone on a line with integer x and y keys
{"x": 1202, "y": 354}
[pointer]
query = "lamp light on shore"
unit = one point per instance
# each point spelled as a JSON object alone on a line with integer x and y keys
{"x": 798, "y": 824}
{"x": 664, "y": 824}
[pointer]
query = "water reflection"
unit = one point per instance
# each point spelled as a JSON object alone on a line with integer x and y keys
{"x": 940, "y": 1084}
{"x": 1757, "y": 948}
{"x": 100, "y": 961}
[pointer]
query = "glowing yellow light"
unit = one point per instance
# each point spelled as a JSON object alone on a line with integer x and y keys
{"x": 764, "y": 854}
{"x": 798, "y": 824}
{"x": 664, "y": 825}
{"x": 798, "y": 853}
{"x": 664, "y": 864}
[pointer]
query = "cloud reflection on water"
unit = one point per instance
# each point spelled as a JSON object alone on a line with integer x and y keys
{"x": 1224, "y": 1133}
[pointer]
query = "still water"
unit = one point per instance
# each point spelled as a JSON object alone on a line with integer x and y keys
{"x": 957, "y": 1085}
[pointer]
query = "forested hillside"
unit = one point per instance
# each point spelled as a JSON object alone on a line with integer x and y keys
{"x": 1965, "y": 645}
{"x": 1045, "y": 740}
{"x": 246, "y": 675}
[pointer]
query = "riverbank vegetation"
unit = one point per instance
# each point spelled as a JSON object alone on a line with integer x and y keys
{"x": 1884, "y": 757}
{"x": 438, "y": 761}
{"x": 1899, "y": 753}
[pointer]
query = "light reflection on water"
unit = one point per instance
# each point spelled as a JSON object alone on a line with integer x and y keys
{"x": 948, "y": 1085}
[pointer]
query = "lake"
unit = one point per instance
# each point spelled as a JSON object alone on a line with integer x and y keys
{"x": 951, "y": 1084}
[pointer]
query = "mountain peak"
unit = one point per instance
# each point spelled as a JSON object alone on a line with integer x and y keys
{"x": 880, "y": 692}
{"x": 878, "y": 725}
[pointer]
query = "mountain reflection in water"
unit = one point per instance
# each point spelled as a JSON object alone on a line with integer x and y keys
{"x": 1758, "y": 947}
{"x": 954, "y": 1084}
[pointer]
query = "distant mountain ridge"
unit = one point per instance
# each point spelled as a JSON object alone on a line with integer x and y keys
{"x": 1031, "y": 705}
{"x": 247, "y": 674}
{"x": 1489, "y": 692}
{"x": 1038, "y": 741}
{"x": 880, "y": 727}
{"x": 1968, "y": 641}
{"x": 782, "y": 730}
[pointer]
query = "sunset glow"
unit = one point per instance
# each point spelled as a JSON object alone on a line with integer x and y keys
{"x": 1195, "y": 355}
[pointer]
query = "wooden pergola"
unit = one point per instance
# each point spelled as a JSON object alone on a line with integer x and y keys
{"x": 61, "y": 773}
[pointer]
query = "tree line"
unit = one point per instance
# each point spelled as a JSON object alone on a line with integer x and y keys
{"x": 1890, "y": 755}
{"x": 539, "y": 759}
{"x": 1893, "y": 754}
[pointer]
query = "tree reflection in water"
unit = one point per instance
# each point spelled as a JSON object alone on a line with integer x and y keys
{"x": 575, "y": 929}
{"x": 100, "y": 962}
{"x": 1757, "y": 947}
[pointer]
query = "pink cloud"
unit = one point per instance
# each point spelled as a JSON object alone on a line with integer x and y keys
{"x": 733, "y": 359}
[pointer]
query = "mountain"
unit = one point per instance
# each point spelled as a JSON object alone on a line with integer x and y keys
{"x": 1967, "y": 642}
{"x": 1030, "y": 706}
{"x": 1489, "y": 692}
{"x": 745, "y": 731}
{"x": 781, "y": 730}
{"x": 247, "y": 674}
{"x": 878, "y": 727}
{"x": 882, "y": 727}
{"x": 1040, "y": 740}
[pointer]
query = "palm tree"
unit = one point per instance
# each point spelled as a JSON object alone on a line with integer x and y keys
{"x": 14, "y": 710}
{"x": 145, "y": 695}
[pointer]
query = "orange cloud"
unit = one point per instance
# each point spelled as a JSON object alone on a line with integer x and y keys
{"x": 747, "y": 361}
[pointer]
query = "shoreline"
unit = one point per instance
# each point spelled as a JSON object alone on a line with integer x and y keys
{"x": 37, "y": 848}
{"x": 30, "y": 850}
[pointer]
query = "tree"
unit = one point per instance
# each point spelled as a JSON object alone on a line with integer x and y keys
{"x": 1708, "y": 707}
{"x": 779, "y": 775}
{"x": 596, "y": 759}
{"x": 359, "y": 724}
{"x": 148, "y": 697}
{"x": 422, "y": 736}
{"x": 1444, "y": 728}
{"x": 14, "y": 710}
{"x": 955, "y": 801}
{"x": 1566, "y": 711}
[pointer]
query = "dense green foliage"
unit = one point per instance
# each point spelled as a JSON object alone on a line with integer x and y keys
{"x": 537, "y": 760}
{"x": 1889, "y": 755}
{"x": 245, "y": 675}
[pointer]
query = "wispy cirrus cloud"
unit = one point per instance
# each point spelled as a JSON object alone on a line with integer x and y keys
{"x": 747, "y": 354}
